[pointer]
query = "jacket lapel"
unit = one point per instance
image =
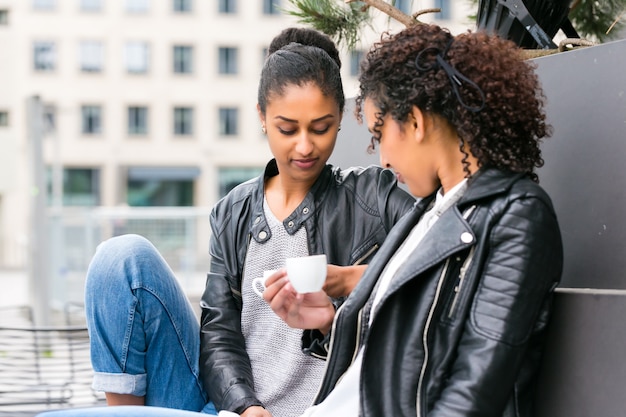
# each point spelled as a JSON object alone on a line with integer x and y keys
{"x": 448, "y": 235}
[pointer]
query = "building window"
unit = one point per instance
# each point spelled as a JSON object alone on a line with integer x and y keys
{"x": 183, "y": 121}
{"x": 182, "y": 6}
{"x": 49, "y": 118}
{"x": 446, "y": 9}
{"x": 91, "y": 120}
{"x": 183, "y": 59}
{"x": 228, "y": 60}
{"x": 90, "y": 5}
{"x": 231, "y": 177}
{"x": 228, "y": 121}
{"x": 137, "y": 57}
{"x": 81, "y": 187}
{"x": 356, "y": 56}
{"x": 137, "y": 6}
{"x": 227, "y": 6}
{"x": 403, "y": 5}
{"x": 44, "y": 56}
{"x": 161, "y": 186}
{"x": 4, "y": 118}
{"x": 271, "y": 6}
{"x": 4, "y": 17}
{"x": 44, "y": 4}
{"x": 137, "y": 120}
{"x": 91, "y": 56}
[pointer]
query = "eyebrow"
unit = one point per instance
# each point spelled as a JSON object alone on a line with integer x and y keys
{"x": 319, "y": 119}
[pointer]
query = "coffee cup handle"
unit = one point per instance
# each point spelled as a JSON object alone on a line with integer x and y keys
{"x": 258, "y": 283}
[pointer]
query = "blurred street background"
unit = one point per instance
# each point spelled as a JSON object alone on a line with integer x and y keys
{"x": 134, "y": 116}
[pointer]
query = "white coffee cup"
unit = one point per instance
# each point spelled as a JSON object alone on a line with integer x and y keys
{"x": 258, "y": 284}
{"x": 307, "y": 273}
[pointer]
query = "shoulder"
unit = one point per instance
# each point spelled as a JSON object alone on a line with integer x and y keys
{"x": 502, "y": 187}
{"x": 363, "y": 177}
{"x": 235, "y": 201}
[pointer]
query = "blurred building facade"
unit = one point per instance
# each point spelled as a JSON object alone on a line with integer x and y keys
{"x": 144, "y": 102}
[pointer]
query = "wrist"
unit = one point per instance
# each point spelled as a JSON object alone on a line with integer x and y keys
{"x": 326, "y": 327}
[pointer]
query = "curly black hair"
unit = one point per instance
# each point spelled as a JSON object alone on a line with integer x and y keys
{"x": 479, "y": 83}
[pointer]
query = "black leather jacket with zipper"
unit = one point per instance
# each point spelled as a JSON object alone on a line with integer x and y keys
{"x": 460, "y": 330}
{"x": 347, "y": 215}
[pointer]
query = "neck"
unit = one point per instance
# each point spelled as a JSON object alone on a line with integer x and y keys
{"x": 457, "y": 166}
{"x": 284, "y": 197}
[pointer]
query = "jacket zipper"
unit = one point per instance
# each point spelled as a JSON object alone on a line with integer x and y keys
{"x": 329, "y": 350}
{"x": 366, "y": 255}
{"x": 420, "y": 381}
{"x": 425, "y": 336}
{"x": 464, "y": 268}
{"x": 459, "y": 285}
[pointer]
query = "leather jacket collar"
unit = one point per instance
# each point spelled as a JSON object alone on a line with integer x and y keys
{"x": 260, "y": 229}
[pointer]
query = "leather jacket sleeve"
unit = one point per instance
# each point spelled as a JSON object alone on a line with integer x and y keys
{"x": 508, "y": 314}
{"x": 225, "y": 367}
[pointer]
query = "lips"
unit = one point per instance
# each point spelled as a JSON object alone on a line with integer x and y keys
{"x": 305, "y": 163}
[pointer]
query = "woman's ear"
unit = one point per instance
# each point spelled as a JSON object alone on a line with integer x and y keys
{"x": 417, "y": 120}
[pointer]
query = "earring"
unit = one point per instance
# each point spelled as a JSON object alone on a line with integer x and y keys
{"x": 263, "y": 129}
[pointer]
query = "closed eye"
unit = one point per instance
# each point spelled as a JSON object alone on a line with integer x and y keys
{"x": 320, "y": 131}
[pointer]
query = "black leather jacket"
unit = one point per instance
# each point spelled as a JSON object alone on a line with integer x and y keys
{"x": 347, "y": 215}
{"x": 460, "y": 330}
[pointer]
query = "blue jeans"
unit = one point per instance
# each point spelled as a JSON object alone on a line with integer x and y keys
{"x": 145, "y": 337}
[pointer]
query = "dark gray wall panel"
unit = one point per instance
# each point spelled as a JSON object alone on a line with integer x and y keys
{"x": 585, "y": 170}
{"x": 584, "y": 371}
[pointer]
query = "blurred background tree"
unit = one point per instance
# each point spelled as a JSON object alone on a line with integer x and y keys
{"x": 595, "y": 20}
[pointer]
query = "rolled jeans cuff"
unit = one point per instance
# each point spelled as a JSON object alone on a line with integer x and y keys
{"x": 120, "y": 383}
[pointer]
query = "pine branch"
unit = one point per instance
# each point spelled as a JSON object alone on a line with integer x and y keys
{"x": 594, "y": 18}
{"x": 389, "y": 10}
{"x": 342, "y": 23}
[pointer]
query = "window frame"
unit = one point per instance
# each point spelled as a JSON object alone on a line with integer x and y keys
{"x": 137, "y": 6}
{"x": 86, "y": 61}
{"x": 271, "y": 7}
{"x": 227, "y": 7}
{"x": 228, "y": 121}
{"x": 5, "y": 118}
{"x": 228, "y": 60}
{"x": 87, "y": 121}
{"x": 356, "y": 57}
{"x": 183, "y": 121}
{"x": 137, "y": 120}
{"x": 182, "y": 6}
{"x": 182, "y": 59}
{"x": 4, "y": 17}
{"x": 446, "y": 9}
{"x": 90, "y": 6}
{"x": 45, "y": 5}
{"x": 131, "y": 48}
{"x": 41, "y": 62}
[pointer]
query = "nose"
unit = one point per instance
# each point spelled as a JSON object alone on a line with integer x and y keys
{"x": 304, "y": 144}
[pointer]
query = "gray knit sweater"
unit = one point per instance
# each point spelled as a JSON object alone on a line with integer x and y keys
{"x": 285, "y": 379}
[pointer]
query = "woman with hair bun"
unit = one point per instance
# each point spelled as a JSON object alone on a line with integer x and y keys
{"x": 450, "y": 317}
{"x": 147, "y": 346}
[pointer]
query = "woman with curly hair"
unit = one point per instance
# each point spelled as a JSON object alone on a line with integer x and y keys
{"x": 450, "y": 317}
